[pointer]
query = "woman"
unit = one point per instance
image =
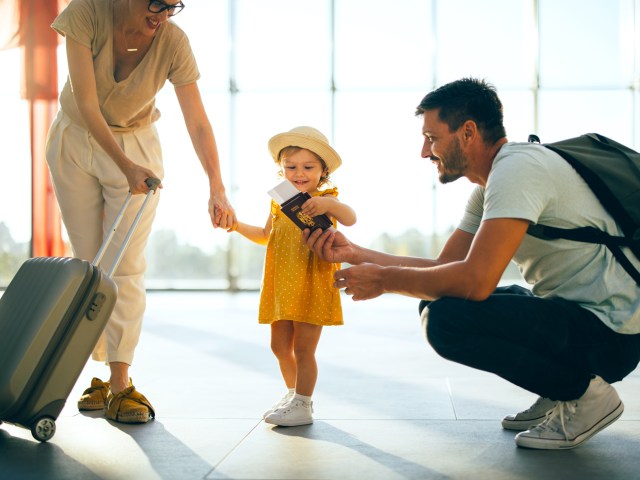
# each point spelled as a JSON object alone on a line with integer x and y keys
{"x": 103, "y": 144}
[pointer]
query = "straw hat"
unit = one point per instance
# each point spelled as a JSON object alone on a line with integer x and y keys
{"x": 309, "y": 138}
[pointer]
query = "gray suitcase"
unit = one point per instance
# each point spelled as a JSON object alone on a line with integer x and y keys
{"x": 51, "y": 317}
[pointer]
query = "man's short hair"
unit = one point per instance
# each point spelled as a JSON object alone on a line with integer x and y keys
{"x": 467, "y": 99}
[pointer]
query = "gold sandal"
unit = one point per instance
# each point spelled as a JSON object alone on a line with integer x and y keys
{"x": 129, "y": 406}
{"x": 94, "y": 397}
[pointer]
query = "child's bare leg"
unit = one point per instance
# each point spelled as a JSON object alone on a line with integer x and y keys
{"x": 282, "y": 348}
{"x": 305, "y": 341}
{"x": 298, "y": 410}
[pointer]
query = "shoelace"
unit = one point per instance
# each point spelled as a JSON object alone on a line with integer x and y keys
{"x": 535, "y": 405}
{"x": 289, "y": 406}
{"x": 555, "y": 422}
{"x": 283, "y": 401}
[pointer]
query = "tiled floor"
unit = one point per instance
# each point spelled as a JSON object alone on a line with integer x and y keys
{"x": 386, "y": 407}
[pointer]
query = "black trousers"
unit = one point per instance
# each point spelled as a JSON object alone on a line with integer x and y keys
{"x": 551, "y": 347}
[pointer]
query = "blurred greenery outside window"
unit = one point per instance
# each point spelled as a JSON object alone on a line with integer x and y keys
{"x": 355, "y": 70}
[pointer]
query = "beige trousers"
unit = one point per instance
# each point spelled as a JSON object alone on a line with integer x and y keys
{"x": 91, "y": 189}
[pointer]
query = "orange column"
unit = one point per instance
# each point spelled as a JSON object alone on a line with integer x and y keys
{"x": 40, "y": 88}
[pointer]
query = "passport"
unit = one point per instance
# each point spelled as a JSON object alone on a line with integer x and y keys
{"x": 291, "y": 200}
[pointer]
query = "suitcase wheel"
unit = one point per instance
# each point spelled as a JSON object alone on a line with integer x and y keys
{"x": 43, "y": 429}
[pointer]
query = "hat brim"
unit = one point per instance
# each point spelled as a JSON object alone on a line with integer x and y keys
{"x": 322, "y": 149}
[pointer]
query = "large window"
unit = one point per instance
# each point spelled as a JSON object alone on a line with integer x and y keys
{"x": 356, "y": 70}
{"x": 15, "y": 170}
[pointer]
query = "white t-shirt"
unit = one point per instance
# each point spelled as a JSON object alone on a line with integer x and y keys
{"x": 531, "y": 182}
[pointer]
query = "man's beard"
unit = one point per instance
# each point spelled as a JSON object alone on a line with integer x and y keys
{"x": 455, "y": 164}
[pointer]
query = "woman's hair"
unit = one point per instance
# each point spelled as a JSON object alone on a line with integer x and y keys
{"x": 286, "y": 152}
{"x": 467, "y": 99}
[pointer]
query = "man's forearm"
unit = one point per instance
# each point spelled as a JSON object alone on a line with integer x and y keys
{"x": 454, "y": 279}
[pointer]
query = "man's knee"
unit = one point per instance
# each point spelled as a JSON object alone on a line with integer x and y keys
{"x": 434, "y": 317}
{"x": 423, "y": 309}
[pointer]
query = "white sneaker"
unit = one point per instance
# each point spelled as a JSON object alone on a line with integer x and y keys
{"x": 283, "y": 401}
{"x": 294, "y": 413}
{"x": 571, "y": 423}
{"x": 530, "y": 417}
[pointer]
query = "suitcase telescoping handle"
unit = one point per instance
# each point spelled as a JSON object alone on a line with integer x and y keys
{"x": 152, "y": 183}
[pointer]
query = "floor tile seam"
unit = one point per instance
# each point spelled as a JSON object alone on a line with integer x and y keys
{"x": 232, "y": 449}
{"x": 407, "y": 419}
{"x": 359, "y": 419}
{"x": 450, "y": 391}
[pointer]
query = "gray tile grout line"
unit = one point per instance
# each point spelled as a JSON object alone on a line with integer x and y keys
{"x": 232, "y": 449}
{"x": 453, "y": 406}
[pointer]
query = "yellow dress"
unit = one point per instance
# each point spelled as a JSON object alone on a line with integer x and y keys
{"x": 296, "y": 284}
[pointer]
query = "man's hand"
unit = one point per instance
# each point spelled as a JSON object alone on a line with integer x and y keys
{"x": 330, "y": 245}
{"x": 362, "y": 282}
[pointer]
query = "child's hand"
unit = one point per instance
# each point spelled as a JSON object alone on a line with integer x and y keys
{"x": 221, "y": 212}
{"x": 316, "y": 206}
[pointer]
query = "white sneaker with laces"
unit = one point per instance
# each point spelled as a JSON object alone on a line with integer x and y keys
{"x": 294, "y": 413}
{"x": 574, "y": 422}
{"x": 283, "y": 401}
{"x": 530, "y": 417}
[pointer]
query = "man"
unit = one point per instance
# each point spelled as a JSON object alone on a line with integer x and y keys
{"x": 572, "y": 335}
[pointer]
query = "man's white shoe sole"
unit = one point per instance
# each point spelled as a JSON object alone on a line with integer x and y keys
{"x": 522, "y": 425}
{"x": 555, "y": 444}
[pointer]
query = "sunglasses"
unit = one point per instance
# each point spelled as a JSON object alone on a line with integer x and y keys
{"x": 157, "y": 6}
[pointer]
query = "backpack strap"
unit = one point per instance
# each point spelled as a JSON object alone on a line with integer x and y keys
{"x": 590, "y": 235}
{"x": 604, "y": 194}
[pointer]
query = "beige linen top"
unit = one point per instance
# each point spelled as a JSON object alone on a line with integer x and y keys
{"x": 129, "y": 104}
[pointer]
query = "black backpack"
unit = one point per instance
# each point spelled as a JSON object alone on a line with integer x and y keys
{"x": 612, "y": 171}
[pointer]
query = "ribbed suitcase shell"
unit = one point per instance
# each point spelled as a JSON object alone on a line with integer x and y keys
{"x": 51, "y": 317}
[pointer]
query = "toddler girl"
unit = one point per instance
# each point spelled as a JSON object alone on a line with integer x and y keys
{"x": 297, "y": 297}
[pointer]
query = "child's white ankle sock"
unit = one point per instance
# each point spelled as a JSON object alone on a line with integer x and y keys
{"x": 304, "y": 398}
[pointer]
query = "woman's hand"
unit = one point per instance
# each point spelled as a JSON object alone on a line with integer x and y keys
{"x": 137, "y": 178}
